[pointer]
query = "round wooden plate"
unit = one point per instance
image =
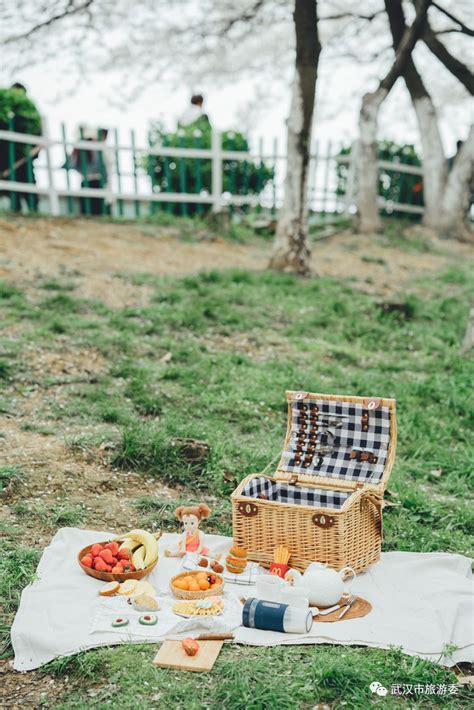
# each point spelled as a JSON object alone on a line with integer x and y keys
{"x": 108, "y": 576}
{"x": 360, "y": 608}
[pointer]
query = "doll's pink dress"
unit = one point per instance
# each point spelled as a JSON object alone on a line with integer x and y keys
{"x": 193, "y": 542}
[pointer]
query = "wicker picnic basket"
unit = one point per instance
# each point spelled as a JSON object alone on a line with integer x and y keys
{"x": 324, "y": 502}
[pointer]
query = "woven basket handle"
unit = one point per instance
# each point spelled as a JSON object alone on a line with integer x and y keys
{"x": 374, "y": 499}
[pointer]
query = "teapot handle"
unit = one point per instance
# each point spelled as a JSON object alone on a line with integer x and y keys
{"x": 345, "y": 570}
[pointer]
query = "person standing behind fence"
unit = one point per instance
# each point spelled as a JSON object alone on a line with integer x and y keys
{"x": 195, "y": 112}
{"x": 18, "y": 165}
{"x": 94, "y": 166}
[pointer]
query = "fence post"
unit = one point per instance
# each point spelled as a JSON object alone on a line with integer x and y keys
{"x": 216, "y": 144}
{"x": 350, "y": 195}
{"x": 53, "y": 195}
{"x": 14, "y": 197}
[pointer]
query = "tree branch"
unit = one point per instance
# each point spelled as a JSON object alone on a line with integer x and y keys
{"x": 460, "y": 70}
{"x": 451, "y": 30}
{"x": 71, "y": 9}
{"x": 397, "y": 23}
{"x": 462, "y": 27}
{"x": 352, "y": 15}
{"x": 406, "y": 45}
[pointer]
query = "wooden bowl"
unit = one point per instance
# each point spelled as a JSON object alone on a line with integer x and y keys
{"x": 183, "y": 594}
{"x": 110, "y": 576}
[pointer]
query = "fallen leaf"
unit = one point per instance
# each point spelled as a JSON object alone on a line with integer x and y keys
{"x": 466, "y": 680}
{"x": 436, "y": 472}
{"x": 166, "y": 357}
{"x": 389, "y": 504}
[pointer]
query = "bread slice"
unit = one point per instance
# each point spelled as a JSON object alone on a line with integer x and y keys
{"x": 109, "y": 589}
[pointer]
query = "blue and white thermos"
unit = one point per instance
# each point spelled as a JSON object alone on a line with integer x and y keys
{"x": 272, "y": 616}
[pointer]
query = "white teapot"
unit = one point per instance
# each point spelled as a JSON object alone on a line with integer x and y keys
{"x": 324, "y": 586}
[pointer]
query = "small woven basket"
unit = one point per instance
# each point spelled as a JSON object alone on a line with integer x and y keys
{"x": 190, "y": 596}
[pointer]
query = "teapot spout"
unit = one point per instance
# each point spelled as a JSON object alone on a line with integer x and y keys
{"x": 293, "y": 577}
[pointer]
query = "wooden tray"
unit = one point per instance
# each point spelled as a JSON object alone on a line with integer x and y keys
{"x": 173, "y": 655}
{"x": 109, "y": 576}
{"x": 360, "y": 608}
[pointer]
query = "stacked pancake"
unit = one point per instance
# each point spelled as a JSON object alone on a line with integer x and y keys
{"x": 236, "y": 560}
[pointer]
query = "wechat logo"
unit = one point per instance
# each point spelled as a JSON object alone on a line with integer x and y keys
{"x": 378, "y": 688}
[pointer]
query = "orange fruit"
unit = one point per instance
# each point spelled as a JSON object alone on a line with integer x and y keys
{"x": 194, "y": 586}
{"x": 203, "y": 584}
{"x": 180, "y": 583}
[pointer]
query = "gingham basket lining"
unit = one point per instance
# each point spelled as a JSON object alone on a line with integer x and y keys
{"x": 280, "y": 492}
{"x": 338, "y": 463}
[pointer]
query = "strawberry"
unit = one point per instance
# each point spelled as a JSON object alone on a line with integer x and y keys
{"x": 106, "y": 556}
{"x": 99, "y": 564}
{"x": 108, "y": 568}
{"x": 113, "y": 547}
{"x": 96, "y": 549}
{"x": 123, "y": 554}
{"x": 117, "y": 569}
{"x": 115, "y": 561}
{"x": 87, "y": 561}
{"x": 190, "y": 646}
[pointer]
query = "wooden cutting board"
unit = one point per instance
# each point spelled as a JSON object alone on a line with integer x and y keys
{"x": 173, "y": 655}
{"x": 361, "y": 607}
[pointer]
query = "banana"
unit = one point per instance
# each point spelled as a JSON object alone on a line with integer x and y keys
{"x": 129, "y": 544}
{"x": 133, "y": 542}
{"x": 149, "y": 542}
{"x": 138, "y": 558}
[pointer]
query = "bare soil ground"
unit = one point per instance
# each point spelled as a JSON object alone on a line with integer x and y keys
{"x": 99, "y": 257}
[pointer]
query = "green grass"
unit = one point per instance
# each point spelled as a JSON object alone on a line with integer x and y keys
{"x": 237, "y": 341}
{"x": 17, "y": 569}
{"x": 9, "y": 475}
{"x": 242, "y": 679}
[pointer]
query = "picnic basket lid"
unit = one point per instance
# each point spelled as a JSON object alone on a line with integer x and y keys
{"x": 338, "y": 441}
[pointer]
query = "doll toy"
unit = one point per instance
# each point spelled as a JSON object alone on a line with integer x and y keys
{"x": 192, "y": 539}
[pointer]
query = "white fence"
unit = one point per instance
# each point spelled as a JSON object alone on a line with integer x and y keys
{"x": 128, "y": 190}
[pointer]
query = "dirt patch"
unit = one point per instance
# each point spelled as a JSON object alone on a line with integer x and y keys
{"x": 28, "y": 690}
{"x": 51, "y": 474}
{"x": 85, "y": 361}
{"x": 94, "y": 255}
{"x": 98, "y": 257}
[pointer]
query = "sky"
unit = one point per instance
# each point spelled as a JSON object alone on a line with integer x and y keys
{"x": 258, "y": 107}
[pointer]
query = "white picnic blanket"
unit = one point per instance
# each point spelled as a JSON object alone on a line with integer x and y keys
{"x": 422, "y": 602}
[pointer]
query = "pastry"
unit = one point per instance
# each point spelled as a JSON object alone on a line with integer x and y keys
{"x": 148, "y": 619}
{"x": 236, "y": 560}
{"x": 238, "y": 552}
{"x": 144, "y": 602}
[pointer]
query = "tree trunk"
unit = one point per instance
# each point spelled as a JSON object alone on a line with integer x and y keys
{"x": 434, "y": 161}
{"x": 456, "y": 201}
{"x": 291, "y": 250}
{"x": 366, "y": 157}
{"x": 468, "y": 342}
{"x": 366, "y": 149}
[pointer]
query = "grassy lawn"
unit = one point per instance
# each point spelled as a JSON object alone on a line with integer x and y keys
{"x": 209, "y": 356}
